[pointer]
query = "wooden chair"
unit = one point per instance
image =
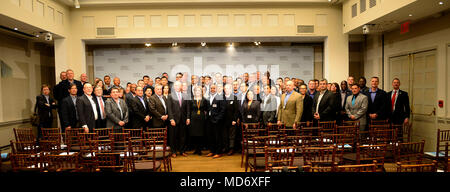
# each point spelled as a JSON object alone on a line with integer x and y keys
{"x": 119, "y": 141}
{"x": 86, "y": 154}
{"x": 410, "y": 152}
{"x": 103, "y": 133}
{"x": 26, "y": 162}
{"x": 403, "y": 132}
{"x": 351, "y": 136}
{"x": 143, "y": 155}
{"x": 319, "y": 159}
{"x": 383, "y": 136}
{"x": 443, "y": 136}
{"x": 429, "y": 167}
{"x": 328, "y": 126}
{"x": 254, "y": 158}
{"x": 351, "y": 123}
{"x": 49, "y": 132}
{"x": 249, "y": 130}
{"x": 358, "y": 168}
{"x": 110, "y": 161}
{"x": 24, "y": 147}
{"x": 24, "y": 134}
{"x": 134, "y": 133}
{"x": 305, "y": 124}
{"x": 279, "y": 157}
{"x": 370, "y": 153}
{"x": 60, "y": 163}
{"x": 51, "y": 144}
{"x": 72, "y": 139}
{"x": 274, "y": 129}
{"x": 163, "y": 152}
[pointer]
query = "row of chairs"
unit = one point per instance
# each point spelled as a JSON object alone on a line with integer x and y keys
{"x": 93, "y": 151}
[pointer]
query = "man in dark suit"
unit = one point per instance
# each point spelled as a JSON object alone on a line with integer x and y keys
{"x": 69, "y": 116}
{"x": 268, "y": 106}
{"x": 57, "y": 93}
{"x": 323, "y": 105}
{"x": 378, "y": 104}
{"x": 307, "y": 115}
{"x": 45, "y": 104}
{"x": 216, "y": 108}
{"x": 101, "y": 121}
{"x": 158, "y": 108}
{"x": 362, "y": 84}
{"x": 87, "y": 109}
{"x": 129, "y": 98}
{"x": 70, "y": 80}
{"x": 178, "y": 108}
{"x": 312, "y": 89}
{"x": 140, "y": 109}
{"x": 241, "y": 98}
{"x": 399, "y": 104}
{"x": 231, "y": 116}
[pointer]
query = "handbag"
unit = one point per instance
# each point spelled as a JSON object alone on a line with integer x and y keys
{"x": 35, "y": 117}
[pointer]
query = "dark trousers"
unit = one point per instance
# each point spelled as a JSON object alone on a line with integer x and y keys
{"x": 216, "y": 137}
{"x": 100, "y": 123}
{"x": 229, "y": 135}
{"x": 177, "y": 138}
{"x": 43, "y": 124}
{"x": 197, "y": 142}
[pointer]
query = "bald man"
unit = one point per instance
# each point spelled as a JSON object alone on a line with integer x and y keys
{"x": 291, "y": 107}
{"x": 87, "y": 109}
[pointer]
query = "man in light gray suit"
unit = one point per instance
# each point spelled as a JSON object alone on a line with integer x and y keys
{"x": 356, "y": 106}
{"x": 116, "y": 111}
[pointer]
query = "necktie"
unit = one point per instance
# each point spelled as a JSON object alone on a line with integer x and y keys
{"x": 393, "y": 100}
{"x": 179, "y": 98}
{"x": 353, "y": 100}
{"x": 102, "y": 108}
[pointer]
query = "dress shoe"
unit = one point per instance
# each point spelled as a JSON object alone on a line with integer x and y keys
{"x": 231, "y": 152}
{"x": 174, "y": 155}
{"x": 184, "y": 154}
{"x": 217, "y": 156}
{"x": 210, "y": 154}
{"x": 199, "y": 153}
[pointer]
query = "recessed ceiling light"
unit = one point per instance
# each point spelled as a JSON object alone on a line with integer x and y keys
{"x": 148, "y": 44}
{"x": 410, "y": 15}
{"x": 174, "y": 44}
{"x": 230, "y": 44}
{"x": 203, "y": 44}
{"x": 441, "y": 3}
{"x": 15, "y": 28}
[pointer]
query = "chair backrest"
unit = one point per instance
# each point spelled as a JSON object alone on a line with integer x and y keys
{"x": 412, "y": 151}
{"x": 321, "y": 156}
{"x": 429, "y": 167}
{"x": 51, "y": 143}
{"x": 108, "y": 161}
{"x": 383, "y": 136}
{"x": 253, "y": 129}
{"x": 134, "y": 133}
{"x": 103, "y": 133}
{"x": 142, "y": 150}
{"x": 26, "y": 162}
{"x": 274, "y": 129}
{"x": 49, "y": 132}
{"x": 443, "y": 136}
{"x": 379, "y": 126}
{"x": 357, "y": 168}
{"x": 328, "y": 126}
{"x": 369, "y": 153}
{"x": 279, "y": 157}
{"x": 72, "y": 139}
{"x": 56, "y": 163}
{"x": 378, "y": 122}
{"x": 24, "y": 134}
{"x": 119, "y": 141}
{"x": 403, "y": 132}
{"x": 23, "y": 147}
{"x": 305, "y": 124}
{"x": 351, "y": 123}
{"x": 99, "y": 146}
{"x": 158, "y": 134}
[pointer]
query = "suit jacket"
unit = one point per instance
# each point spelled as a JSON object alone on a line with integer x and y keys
{"x": 380, "y": 105}
{"x": 216, "y": 109}
{"x": 359, "y": 110}
{"x": 269, "y": 109}
{"x": 251, "y": 114}
{"x": 176, "y": 112}
{"x": 293, "y": 110}
{"x": 139, "y": 112}
{"x": 85, "y": 111}
{"x": 326, "y": 106}
{"x": 402, "y": 108}
{"x": 113, "y": 116}
{"x": 101, "y": 123}
{"x": 232, "y": 109}
{"x": 64, "y": 87}
{"x": 157, "y": 110}
{"x": 44, "y": 111}
{"x": 68, "y": 113}
{"x": 307, "y": 109}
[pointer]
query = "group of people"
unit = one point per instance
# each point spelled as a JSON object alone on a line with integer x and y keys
{"x": 208, "y": 111}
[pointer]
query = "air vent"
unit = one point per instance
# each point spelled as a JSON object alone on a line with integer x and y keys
{"x": 105, "y": 31}
{"x": 305, "y": 28}
{"x": 354, "y": 10}
{"x": 362, "y": 6}
{"x": 372, "y": 3}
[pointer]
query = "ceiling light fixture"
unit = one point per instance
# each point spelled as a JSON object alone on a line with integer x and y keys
{"x": 441, "y": 3}
{"x": 230, "y": 44}
{"x": 76, "y": 3}
{"x": 203, "y": 44}
{"x": 174, "y": 44}
{"x": 15, "y": 28}
{"x": 148, "y": 44}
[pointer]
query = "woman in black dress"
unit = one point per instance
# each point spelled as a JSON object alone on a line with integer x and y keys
{"x": 197, "y": 115}
{"x": 251, "y": 110}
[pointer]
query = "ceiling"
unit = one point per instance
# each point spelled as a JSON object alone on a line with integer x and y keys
{"x": 414, "y": 12}
{"x": 90, "y": 3}
{"x": 24, "y": 31}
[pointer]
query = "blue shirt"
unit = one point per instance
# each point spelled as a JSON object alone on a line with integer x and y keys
{"x": 312, "y": 95}
{"x": 373, "y": 94}
{"x": 143, "y": 102}
{"x": 287, "y": 97}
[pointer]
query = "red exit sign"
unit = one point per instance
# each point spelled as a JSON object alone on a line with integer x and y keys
{"x": 405, "y": 27}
